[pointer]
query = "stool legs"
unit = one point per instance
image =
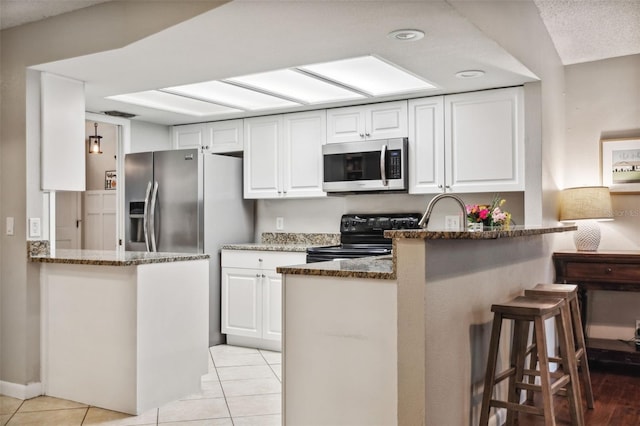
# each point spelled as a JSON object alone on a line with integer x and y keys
{"x": 523, "y": 311}
{"x": 490, "y": 374}
{"x": 582, "y": 351}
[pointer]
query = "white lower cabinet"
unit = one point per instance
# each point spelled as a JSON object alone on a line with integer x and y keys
{"x": 252, "y": 296}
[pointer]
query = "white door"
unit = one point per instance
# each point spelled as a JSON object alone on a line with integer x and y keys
{"x": 100, "y": 220}
{"x": 484, "y": 140}
{"x": 345, "y": 124}
{"x": 304, "y": 135}
{"x": 426, "y": 145}
{"x": 272, "y": 308}
{"x": 387, "y": 120}
{"x": 241, "y": 302}
{"x": 68, "y": 220}
{"x": 262, "y": 158}
{"x": 189, "y": 136}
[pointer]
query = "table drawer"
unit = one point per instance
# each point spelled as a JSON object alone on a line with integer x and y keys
{"x": 602, "y": 272}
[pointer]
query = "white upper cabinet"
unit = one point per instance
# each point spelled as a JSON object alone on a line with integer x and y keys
{"x": 216, "y": 137}
{"x": 225, "y": 136}
{"x": 304, "y": 135}
{"x": 484, "y": 141}
{"x": 470, "y": 142}
{"x": 426, "y": 145}
{"x": 63, "y": 146}
{"x": 377, "y": 121}
{"x": 263, "y": 136}
{"x": 283, "y": 155}
{"x": 189, "y": 136}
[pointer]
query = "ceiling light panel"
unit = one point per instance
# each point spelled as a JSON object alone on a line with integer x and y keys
{"x": 228, "y": 94}
{"x": 371, "y": 75}
{"x": 296, "y": 85}
{"x": 174, "y": 103}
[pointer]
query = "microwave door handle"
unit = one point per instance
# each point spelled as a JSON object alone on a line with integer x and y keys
{"x": 152, "y": 217}
{"x": 383, "y": 169}
{"x": 145, "y": 226}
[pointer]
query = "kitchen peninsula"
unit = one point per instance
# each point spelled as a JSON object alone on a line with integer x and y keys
{"x": 403, "y": 339}
{"x": 125, "y": 331}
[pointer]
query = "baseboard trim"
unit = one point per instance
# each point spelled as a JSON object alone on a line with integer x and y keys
{"x": 28, "y": 391}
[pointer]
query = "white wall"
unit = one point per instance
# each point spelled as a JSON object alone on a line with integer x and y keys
{"x": 603, "y": 102}
{"x": 149, "y": 136}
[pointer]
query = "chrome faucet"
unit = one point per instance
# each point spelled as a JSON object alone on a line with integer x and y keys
{"x": 427, "y": 214}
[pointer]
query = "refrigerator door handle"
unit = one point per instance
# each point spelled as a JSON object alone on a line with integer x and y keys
{"x": 145, "y": 226}
{"x": 152, "y": 217}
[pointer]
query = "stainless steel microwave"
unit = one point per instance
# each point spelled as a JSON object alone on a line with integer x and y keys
{"x": 375, "y": 165}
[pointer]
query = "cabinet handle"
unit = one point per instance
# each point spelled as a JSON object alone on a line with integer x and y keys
{"x": 263, "y": 276}
{"x": 448, "y": 186}
{"x": 259, "y": 260}
{"x": 362, "y": 135}
{"x": 257, "y": 275}
{"x": 367, "y": 134}
{"x": 609, "y": 270}
{"x": 440, "y": 186}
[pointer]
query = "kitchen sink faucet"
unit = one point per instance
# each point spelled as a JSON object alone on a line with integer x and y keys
{"x": 427, "y": 214}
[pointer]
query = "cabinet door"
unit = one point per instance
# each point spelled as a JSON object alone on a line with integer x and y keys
{"x": 272, "y": 306}
{"x": 62, "y": 145}
{"x": 261, "y": 157}
{"x": 304, "y": 135}
{"x": 189, "y": 136}
{"x": 346, "y": 124}
{"x": 426, "y": 145}
{"x": 241, "y": 304}
{"x": 225, "y": 136}
{"x": 386, "y": 120}
{"x": 484, "y": 140}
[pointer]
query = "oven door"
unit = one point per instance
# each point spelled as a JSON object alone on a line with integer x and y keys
{"x": 376, "y": 165}
{"x": 324, "y": 254}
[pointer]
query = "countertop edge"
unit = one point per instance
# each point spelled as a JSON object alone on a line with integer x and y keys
{"x": 483, "y": 235}
{"x": 88, "y": 257}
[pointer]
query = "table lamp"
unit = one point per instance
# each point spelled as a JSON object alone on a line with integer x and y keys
{"x": 585, "y": 205}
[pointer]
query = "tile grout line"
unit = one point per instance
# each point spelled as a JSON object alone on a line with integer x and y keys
{"x": 224, "y": 395}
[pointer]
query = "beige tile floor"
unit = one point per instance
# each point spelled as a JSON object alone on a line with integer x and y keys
{"x": 243, "y": 388}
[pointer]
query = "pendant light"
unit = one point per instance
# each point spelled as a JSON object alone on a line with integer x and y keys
{"x": 94, "y": 142}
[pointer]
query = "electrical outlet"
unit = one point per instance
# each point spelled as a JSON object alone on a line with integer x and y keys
{"x": 452, "y": 223}
{"x": 279, "y": 223}
{"x": 34, "y": 227}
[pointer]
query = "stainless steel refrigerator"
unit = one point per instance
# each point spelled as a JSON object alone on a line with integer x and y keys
{"x": 185, "y": 201}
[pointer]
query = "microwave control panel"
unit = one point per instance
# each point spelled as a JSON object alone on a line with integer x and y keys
{"x": 394, "y": 164}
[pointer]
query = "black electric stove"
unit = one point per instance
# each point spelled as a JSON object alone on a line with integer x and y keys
{"x": 362, "y": 235}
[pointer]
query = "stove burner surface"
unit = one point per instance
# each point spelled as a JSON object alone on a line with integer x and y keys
{"x": 362, "y": 235}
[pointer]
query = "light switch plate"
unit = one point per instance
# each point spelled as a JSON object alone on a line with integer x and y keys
{"x": 452, "y": 223}
{"x": 279, "y": 223}
{"x": 34, "y": 227}
{"x": 10, "y": 226}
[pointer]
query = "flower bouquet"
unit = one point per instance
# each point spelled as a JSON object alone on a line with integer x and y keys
{"x": 490, "y": 216}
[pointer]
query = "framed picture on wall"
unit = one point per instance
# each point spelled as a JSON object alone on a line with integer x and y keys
{"x": 620, "y": 164}
{"x": 110, "y": 179}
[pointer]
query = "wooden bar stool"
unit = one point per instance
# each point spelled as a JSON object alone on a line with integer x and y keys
{"x": 569, "y": 292}
{"x": 523, "y": 311}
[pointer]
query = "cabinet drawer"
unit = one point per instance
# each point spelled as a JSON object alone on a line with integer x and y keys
{"x": 602, "y": 272}
{"x": 261, "y": 259}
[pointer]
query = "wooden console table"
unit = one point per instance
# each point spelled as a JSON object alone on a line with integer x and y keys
{"x": 613, "y": 271}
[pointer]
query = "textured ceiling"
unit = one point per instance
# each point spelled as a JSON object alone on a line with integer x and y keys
{"x": 590, "y": 30}
{"x": 18, "y": 12}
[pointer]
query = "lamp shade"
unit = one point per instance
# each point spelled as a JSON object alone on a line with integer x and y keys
{"x": 589, "y": 202}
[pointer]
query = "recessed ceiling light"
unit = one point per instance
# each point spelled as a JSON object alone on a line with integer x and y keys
{"x": 470, "y": 74}
{"x": 406, "y": 35}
